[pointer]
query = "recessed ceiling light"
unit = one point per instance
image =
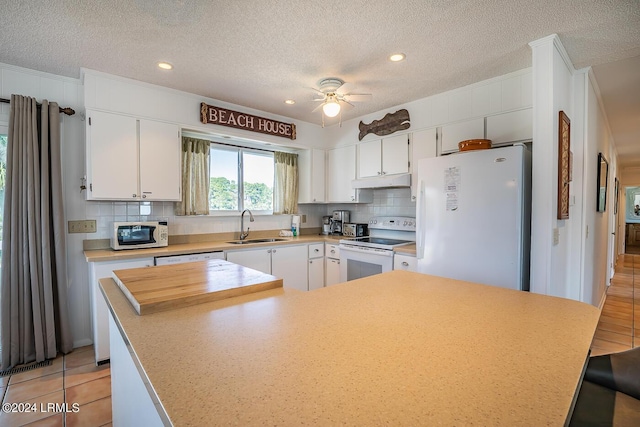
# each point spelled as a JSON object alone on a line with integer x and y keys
{"x": 396, "y": 57}
{"x": 289, "y": 101}
{"x": 165, "y": 65}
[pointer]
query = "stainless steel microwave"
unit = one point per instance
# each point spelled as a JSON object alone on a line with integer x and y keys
{"x": 139, "y": 235}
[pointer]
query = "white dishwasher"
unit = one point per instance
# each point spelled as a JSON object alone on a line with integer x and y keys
{"x": 181, "y": 259}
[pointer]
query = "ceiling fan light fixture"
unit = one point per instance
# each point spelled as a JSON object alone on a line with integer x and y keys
{"x": 331, "y": 108}
{"x": 397, "y": 57}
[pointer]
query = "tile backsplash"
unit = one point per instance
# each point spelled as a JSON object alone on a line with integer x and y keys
{"x": 396, "y": 201}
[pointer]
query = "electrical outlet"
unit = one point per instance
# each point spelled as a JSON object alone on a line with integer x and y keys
{"x": 304, "y": 219}
{"x": 82, "y": 226}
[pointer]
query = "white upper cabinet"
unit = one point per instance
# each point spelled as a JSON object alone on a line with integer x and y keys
{"x": 311, "y": 173}
{"x": 510, "y": 127}
{"x": 112, "y": 156}
{"x": 131, "y": 159}
{"x": 160, "y": 171}
{"x": 341, "y": 170}
{"x": 387, "y": 156}
{"x": 454, "y": 133}
{"x": 423, "y": 145}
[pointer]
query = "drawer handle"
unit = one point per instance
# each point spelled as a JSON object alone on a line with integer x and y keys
{"x": 405, "y": 263}
{"x": 333, "y": 251}
{"x": 317, "y": 250}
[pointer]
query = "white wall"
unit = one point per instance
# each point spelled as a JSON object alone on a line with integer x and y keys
{"x": 576, "y": 265}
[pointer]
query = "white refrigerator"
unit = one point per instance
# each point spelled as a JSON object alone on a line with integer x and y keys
{"x": 473, "y": 216}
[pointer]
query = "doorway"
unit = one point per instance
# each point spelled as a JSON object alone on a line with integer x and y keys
{"x": 632, "y": 220}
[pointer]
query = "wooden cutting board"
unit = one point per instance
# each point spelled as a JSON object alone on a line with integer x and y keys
{"x": 159, "y": 288}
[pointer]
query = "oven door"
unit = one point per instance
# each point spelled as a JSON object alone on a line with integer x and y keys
{"x": 359, "y": 261}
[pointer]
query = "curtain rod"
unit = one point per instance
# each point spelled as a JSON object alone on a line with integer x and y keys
{"x": 68, "y": 111}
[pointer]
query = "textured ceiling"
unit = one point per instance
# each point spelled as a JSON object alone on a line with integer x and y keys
{"x": 259, "y": 53}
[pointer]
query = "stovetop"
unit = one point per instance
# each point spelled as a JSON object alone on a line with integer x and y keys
{"x": 386, "y": 233}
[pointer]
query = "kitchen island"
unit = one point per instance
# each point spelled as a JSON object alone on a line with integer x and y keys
{"x": 398, "y": 348}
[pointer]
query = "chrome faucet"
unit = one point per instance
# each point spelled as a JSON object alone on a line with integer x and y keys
{"x": 244, "y": 235}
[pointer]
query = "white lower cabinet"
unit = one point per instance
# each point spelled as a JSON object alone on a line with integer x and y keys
{"x": 405, "y": 262}
{"x": 332, "y": 264}
{"x": 316, "y": 266}
{"x": 131, "y": 403}
{"x": 286, "y": 262}
{"x": 99, "y": 310}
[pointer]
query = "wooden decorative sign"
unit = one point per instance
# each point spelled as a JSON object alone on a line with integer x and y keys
{"x": 564, "y": 164}
{"x": 390, "y": 123}
{"x": 235, "y": 119}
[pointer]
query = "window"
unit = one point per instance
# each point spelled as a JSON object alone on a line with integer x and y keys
{"x": 240, "y": 178}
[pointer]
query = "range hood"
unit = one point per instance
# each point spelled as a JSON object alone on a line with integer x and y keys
{"x": 383, "y": 181}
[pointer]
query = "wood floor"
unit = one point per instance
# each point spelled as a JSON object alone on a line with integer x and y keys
{"x": 619, "y": 325}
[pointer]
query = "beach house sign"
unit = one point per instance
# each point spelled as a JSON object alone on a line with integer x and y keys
{"x": 235, "y": 119}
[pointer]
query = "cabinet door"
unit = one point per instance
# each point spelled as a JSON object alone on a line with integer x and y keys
{"x": 99, "y": 309}
{"x": 510, "y": 127}
{"x": 395, "y": 155}
{"x": 112, "y": 156}
{"x": 332, "y": 272}
{"x": 453, "y": 134}
{"x": 311, "y": 173}
{"x": 316, "y": 273}
{"x": 369, "y": 160}
{"x": 341, "y": 170}
{"x": 423, "y": 146}
{"x": 317, "y": 175}
{"x": 290, "y": 264}
{"x": 258, "y": 259}
{"x": 160, "y": 171}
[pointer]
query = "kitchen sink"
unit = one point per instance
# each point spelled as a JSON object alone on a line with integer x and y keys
{"x": 247, "y": 242}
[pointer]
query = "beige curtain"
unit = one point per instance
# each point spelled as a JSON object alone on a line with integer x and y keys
{"x": 195, "y": 177}
{"x": 35, "y": 323}
{"x": 285, "y": 193}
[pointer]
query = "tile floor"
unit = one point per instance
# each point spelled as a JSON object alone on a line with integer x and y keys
{"x": 70, "y": 379}
{"x": 619, "y": 325}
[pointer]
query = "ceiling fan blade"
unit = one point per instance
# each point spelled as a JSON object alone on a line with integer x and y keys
{"x": 317, "y": 99}
{"x": 345, "y": 88}
{"x": 317, "y": 108}
{"x": 358, "y": 97}
{"x": 346, "y": 104}
{"x": 316, "y": 90}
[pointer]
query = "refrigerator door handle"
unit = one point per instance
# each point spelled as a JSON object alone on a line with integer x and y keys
{"x": 422, "y": 213}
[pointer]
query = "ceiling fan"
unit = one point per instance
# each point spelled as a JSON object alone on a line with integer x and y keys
{"x": 334, "y": 93}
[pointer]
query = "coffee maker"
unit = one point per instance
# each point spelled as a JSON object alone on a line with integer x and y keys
{"x": 326, "y": 224}
{"x": 337, "y": 219}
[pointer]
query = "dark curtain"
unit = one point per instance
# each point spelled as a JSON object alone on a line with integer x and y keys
{"x": 35, "y": 324}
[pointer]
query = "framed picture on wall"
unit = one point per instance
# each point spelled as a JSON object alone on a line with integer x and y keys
{"x": 564, "y": 165}
{"x": 616, "y": 196}
{"x": 603, "y": 172}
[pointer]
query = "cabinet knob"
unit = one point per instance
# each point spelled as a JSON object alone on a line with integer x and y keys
{"x": 274, "y": 251}
{"x": 310, "y": 261}
{"x": 133, "y": 195}
{"x": 405, "y": 263}
{"x": 144, "y": 196}
{"x": 353, "y": 198}
{"x": 269, "y": 251}
{"x": 379, "y": 173}
{"x": 314, "y": 200}
{"x": 317, "y": 250}
{"x": 333, "y": 251}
